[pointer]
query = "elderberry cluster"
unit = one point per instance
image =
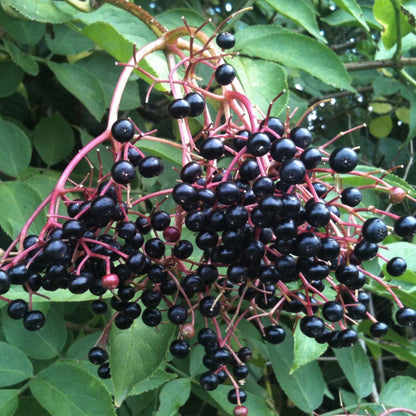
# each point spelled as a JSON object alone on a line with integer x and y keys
{"x": 274, "y": 233}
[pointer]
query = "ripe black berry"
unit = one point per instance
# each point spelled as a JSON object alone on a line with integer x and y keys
{"x": 191, "y": 172}
{"x": 225, "y": 74}
{"x": 312, "y": 326}
{"x": 332, "y": 311}
{"x": 206, "y": 336}
{"x": 151, "y": 317}
{"x": 177, "y": 314}
{"x": 179, "y": 348}
{"x": 99, "y": 307}
{"x": 283, "y": 149}
{"x": 34, "y": 320}
{"x": 151, "y": 166}
{"x": 351, "y": 196}
{"x": 405, "y": 226}
{"x": 104, "y": 371}
{"x": 365, "y": 250}
{"x": 301, "y": 136}
{"x": 292, "y": 171}
{"x": 275, "y": 334}
{"x": 211, "y": 148}
{"x": 232, "y": 396}
{"x": 179, "y": 108}
{"x": 379, "y": 329}
{"x": 97, "y": 355}
{"x": 17, "y": 309}
{"x": 225, "y": 40}
{"x": 123, "y": 130}
{"x": 343, "y": 160}
{"x": 406, "y": 316}
{"x": 258, "y": 144}
{"x": 209, "y": 381}
{"x": 374, "y": 230}
{"x": 196, "y": 102}
{"x": 396, "y": 266}
{"x": 240, "y": 372}
{"x": 209, "y": 306}
{"x": 123, "y": 172}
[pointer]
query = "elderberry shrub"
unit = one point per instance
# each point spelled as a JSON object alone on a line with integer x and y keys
{"x": 258, "y": 223}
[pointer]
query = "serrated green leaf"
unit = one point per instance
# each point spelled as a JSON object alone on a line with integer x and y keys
{"x": 293, "y": 50}
{"x": 15, "y": 367}
{"x": 381, "y": 126}
{"x": 385, "y": 14}
{"x": 39, "y": 10}
{"x": 357, "y": 368}
{"x": 305, "y": 386}
{"x": 17, "y": 202}
{"x": 10, "y": 78}
{"x": 173, "y": 395}
{"x": 399, "y": 391}
{"x": 9, "y": 400}
{"x": 300, "y": 11}
{"x": 306, "y": 350}
{"x": 66, "y": 41}
{"x": 353, "y": 8}
{"x": 135, "y": 354}
{"x": 83, "y": 84}
{"x": 67, "y": 390}
{"x": 21, "y": 58}
{"x": 24, "y": 31}
{"x": 262, "y": 81}
{"x": 43, "y": 344}
{"x": 53, "y": 139}
{"x": 16, "y": 149}
{"x": 157, "y": 379}
{"x": 342, "y": 18}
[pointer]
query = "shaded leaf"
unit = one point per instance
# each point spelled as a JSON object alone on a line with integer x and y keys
{"x": 294, "y": 50}
{"x": 28, "y": 406}
{"x": 67, "y": 390}
{"x": 306, "y": 349}
{"x": 21, "y": 58}
{"x": 135, "y": 354}
{"x": 262, "y": 81}
{"x": 300, "y": 11}
{"x": 164, "y": 150}
{"x": 66, "y": 41}
{"x": 173, "y": 395}
{"x": 16, "y": 149}
{"x": 10, "y": 78}
{"x": 381, "y": 126}
{"x": 340, "y": 17}
{"x": 9, "y": 400}
{"x": 381, "y": 106}
{"x": 357, "y": 368}
{"x": 17, "y": 203}
{"x": 83, "y": 84}
{"x": 399, "y": 391}
{"x": 157, "y": 379}
{"x": 352, "y": 7}
{"x": 53, "y": 139}
{"x": 39, "y": 10}
{"x": 14, "y": 365}
{"x": 171, "y": 19}
{"x": 43, "y": 344}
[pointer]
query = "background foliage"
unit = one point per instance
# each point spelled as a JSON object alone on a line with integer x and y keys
{"x": 57, "y": 75}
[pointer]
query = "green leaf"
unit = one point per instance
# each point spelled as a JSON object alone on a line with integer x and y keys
{"x": 53, "y": 139}
{"x": 300, "y": 11}
{"x": 83, "y": 84}
{"x": 28, "y": 406}
{"x": 10, "y": 78}
{"x": 352, "y": 7}
{"x": 263, "y": 81}
{"x": 39, "y": 10}
{"x": 157, "y": 379}
{"x": 306, "y": 350}
{"x": 135, "y": 354}
{"x": 399, "y": 391}
{"x": 196, "y": 365}
{"x": 22, "y": 30}
{"x": 43, "y": 344}
{"x": 172, "y": 19}
{"x": 402, "y": 353}
{"x": 385, "y": 14}
{"x": 16, "y": 149}
{"x": 21, "y": 58}
{"x": 64, "y": 389}
{"x": 381, "y": 126}
{"x": 66, "y": 41}
{"x": 293, "y": 50}
{"x": 14, "y": 365}
{"x": 357, "y": 368}
{"x": 342, "y": 18}
{"x": 164, "y": 150}
{"x": 17, "y": 203}
{"x": 305, "y": 386}
{"x": 9, "y": 400}
{"x": 174, "y": 395}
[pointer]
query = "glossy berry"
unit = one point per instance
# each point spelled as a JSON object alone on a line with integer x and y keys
{"x": 292, "y": 171}
{"x": 365, "y": 250}
{"x": 160, "y": 220}
{"x": 332, "y": 311}
{"x": 258, "y": 144}
{"x": 97, "y": 355}
{"x": 351, "y": 196}
{"x": 311, "y": 157}
{"x": 225, "y": 40}
{"x": 301, "y": 136}
{"x": 151, "y": 317}
{"x": 191, "y": 172}
{"x": 183, "y": 249}
{"x": 177, "y": 314}
{"x": 151, "y": 166}
{"x": 275, "y": 334}
{"x": 406, "y": 316}
{"x": 240, "y": 372}
{"x": 312, "y": 326}
{"x": 343, "y": 160}
{"x": 4, "y": 282}
{"x": 179, "y": 349}
{"x": 209, "y": 306}
{"x": 405, "y": 226}
{"x": 17, "y": 309}
{"x": 179, "y": 108}
{"x": 347, "y": 337}
{"x": 34, "y": 320}
{"x": 171, "y": 234}
{"x": 209, "y": 381}
{"x": 396, "y": 266}
{"x": 134, "y": 156}
{"x": 196, "y": 102}
{"x": 123, "y": 172}
{"x": 275, "y": 125}
{"x": 99, "y": 307}
{"x": 283, "y": 149}
{"x": 234, "y": 399}
{"x": 245, "y": 354}
{"x": 123, "y": 130}
{"x": 240, "y": 411}
{"x": 104, "y": 371}
{"x": 211, "y": 148}
{"x": 379, "y": 329}
{"x": 374, "y": 230}
{"x": 225, "y": 74}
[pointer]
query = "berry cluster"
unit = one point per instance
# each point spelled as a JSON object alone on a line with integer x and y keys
{"x": 257, "y": 240}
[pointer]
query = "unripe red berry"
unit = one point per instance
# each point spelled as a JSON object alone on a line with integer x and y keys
{"x": 110, "y": 281}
